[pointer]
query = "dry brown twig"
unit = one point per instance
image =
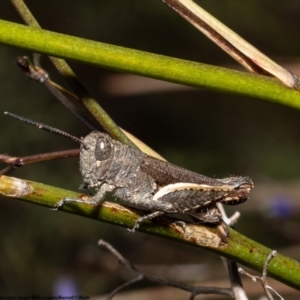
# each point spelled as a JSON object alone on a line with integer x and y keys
{"x": 194, "y": 290}
{"x": 263, "y": 279}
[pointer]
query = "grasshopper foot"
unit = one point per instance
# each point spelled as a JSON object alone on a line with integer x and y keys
{"x": 58, "y": 205}
{"x": 64, "y": 201}
{"x": 133, "y": 229}
{"x": 143, "y": 218}
{"x": 181, "y": 224}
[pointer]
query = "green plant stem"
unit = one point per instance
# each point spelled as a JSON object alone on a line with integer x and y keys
{"x": 65, "y": 70}
{"x": 147, "y": 64}
{"x": 237, "y": 247}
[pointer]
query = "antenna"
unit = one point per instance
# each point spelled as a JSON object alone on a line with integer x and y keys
{"x": 45, "y": 127}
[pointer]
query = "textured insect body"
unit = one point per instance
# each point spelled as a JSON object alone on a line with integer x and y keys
{"x": 150, "y": 184}
{"x": 103, "y": 160}
{"x": 109, "y": 165}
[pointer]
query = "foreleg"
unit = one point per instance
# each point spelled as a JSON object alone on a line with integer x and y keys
{"x": 97, "y": 199}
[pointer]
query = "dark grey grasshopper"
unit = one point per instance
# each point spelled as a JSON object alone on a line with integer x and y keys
{"x": 153, "y": 185}
{"x": 147, "y": 183}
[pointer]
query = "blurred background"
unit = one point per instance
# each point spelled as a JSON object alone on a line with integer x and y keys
{"x": 46, "y": 253}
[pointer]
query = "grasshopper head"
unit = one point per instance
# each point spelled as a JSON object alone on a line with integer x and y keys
{"x": 96, "y": 154}
{"x": 240, "y": 188}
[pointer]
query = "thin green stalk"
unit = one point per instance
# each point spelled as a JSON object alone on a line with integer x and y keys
{"x": 25, "y": 13}
{"x": 243, "y": 52}
{"x": 65, "y": 70}
{"x": 147, "y": 64}
{"x": 237, "y": 247}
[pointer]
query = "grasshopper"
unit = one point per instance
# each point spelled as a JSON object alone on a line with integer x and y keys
{"x": 147, "y": 183}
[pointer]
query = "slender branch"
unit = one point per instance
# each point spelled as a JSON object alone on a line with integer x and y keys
{"x": 147, "y": 64}
{"x": 235, "y": 280}
{"x": 230, "y": 265}
{"x": 38, "y": 74}
{"x": 194, "y": 290}
{"x": 16, "y": 162}
{"x": 263, "y": 279}
{"x": 243, "y": 52}
{"x": 65, "y": 70}
{"x": 80, "y": 93}
{"x": 238, "y": 247}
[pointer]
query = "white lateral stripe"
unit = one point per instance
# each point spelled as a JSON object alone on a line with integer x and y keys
{"x": 180, "y": 186}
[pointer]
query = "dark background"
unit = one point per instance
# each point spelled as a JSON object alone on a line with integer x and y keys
{"x": 210, "y": 133}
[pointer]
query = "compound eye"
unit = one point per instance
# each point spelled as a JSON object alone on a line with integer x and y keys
{"x": 102, "y": 149}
